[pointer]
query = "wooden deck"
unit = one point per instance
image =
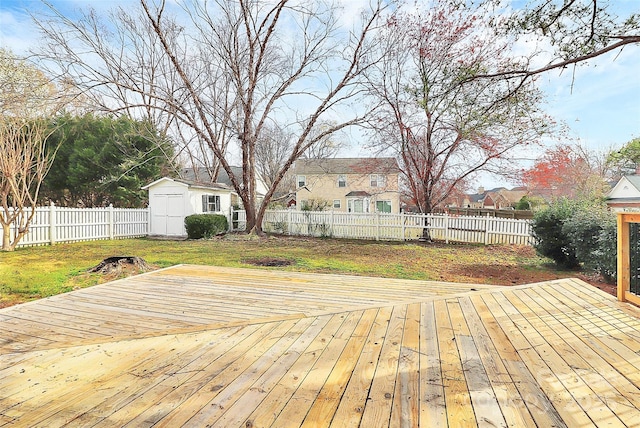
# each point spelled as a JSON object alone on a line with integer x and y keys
{"x": 207, "y": 346}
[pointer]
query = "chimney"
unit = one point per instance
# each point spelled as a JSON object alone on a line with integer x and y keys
{"x": 480, "y": 190}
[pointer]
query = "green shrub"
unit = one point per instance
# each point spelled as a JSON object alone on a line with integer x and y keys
{"x": 592, "y": 232}
{"x": 205, "y": 225}
{"x": 607, "y": 252}
{"x": 550, "y": 239}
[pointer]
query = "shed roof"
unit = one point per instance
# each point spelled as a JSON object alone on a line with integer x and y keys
{"x": 190, "y": 184}
{"x": 627, "y": 188}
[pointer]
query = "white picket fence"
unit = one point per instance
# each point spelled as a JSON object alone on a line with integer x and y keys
{"x": 53, "y": 224}
{"x": 399, "y": 227}
{"x": 60, "y": 224}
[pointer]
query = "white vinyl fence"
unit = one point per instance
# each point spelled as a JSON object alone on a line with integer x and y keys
{"x": 60, "y": 224}
{"x": 482, "y": 230}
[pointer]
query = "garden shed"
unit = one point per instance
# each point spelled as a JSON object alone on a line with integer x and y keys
{"x": 172, "y": 199}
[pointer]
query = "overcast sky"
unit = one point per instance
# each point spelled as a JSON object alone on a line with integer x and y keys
{"x": 599, "y": 102}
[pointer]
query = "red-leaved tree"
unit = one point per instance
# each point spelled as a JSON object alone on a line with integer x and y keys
{"x": 567, "y": 170}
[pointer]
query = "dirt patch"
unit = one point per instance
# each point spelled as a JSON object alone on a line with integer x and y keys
{"x": 515, "y": 275}
{"x": 598, "y": 282}
{"x": 269, "y": 262}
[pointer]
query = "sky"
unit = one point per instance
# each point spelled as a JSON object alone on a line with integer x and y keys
{"x": 599, "y": 102}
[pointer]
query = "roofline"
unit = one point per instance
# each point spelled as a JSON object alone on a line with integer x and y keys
{"x": 190, "y": 185}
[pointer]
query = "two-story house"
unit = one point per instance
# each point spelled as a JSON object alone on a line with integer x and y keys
{"x": 358, "y": 185}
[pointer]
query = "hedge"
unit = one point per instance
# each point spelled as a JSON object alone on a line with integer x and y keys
{"x": 205, "y": 225}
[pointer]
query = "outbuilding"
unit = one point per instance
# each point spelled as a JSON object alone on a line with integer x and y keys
{"x": 172, "y": 199}
{"x": 624, "y": 199}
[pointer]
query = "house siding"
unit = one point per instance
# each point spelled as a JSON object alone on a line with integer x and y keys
{"x": 325, "y": 187}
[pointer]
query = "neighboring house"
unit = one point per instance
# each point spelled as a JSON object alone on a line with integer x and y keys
{"x": 358, "y": 185}
{"x": 625, "y": 195}
{"x": 171, "y": 200}
{"x": 498, "y": 198}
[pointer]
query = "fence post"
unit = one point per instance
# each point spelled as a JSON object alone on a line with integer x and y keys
{"x": 289, "y": 220}
{"x": 402, "y": 221}
{"x": 446, "y": 228}
{"x": 331, "y": 224}
{"x": 52, "y": 223}
{"x": 111, "y": 220}
{"x": 487, "y": 226}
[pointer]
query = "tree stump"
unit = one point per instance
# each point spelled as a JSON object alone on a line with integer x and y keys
{"x": 115, "y": 264}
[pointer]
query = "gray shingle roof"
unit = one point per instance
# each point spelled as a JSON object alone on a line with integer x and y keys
{"x": 347, "y": 166}
{"x": 634, "y": 179}
{"x": 200, "y": 175}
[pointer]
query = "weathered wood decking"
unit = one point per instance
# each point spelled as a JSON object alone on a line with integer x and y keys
{"x": 198, "y": 346}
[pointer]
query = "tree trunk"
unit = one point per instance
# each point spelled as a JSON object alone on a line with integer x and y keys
{"x": 6, "y": 238}
{"x": 253, "y": 226}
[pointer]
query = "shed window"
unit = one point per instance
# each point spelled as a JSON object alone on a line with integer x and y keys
{"x": 210, "y": 203}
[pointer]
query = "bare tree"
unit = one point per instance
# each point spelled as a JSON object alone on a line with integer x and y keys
{"x": 272, "y": 151}
{"x": 224, "y": 70}
{"x": 577, "y": 30}
{"x": 328, "y": 146}
{"x": 442, "y": 125}
{"x": 27, "y": 101}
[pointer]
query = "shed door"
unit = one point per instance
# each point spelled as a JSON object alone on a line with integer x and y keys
{"x": 168, "y": 215}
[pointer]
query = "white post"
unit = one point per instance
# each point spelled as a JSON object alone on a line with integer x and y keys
{"x": 230, "y": 219}
{"x": 487, "y": 225}
{"x": 289, "y": 220}
{"x": 331, "y": 224}
{"x": 446, "y": 228}
{"x": 148, "y": 221}
{"x": 52, "y": 223}
{"x": 111, "y": 221}
{"x": 377, "y": 226}
{"x": 402, "y": 220}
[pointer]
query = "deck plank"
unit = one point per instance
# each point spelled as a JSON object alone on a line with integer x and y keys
{"x": 299, "y": 404}
{"x": 432, "y": 403}
{"x": 277, "y": 398}
{"x": 456, "y": 392}
{"x": 504, "y": 386}
{"x": 380, "y": 399}
{"x": 354, "y": 400}
{"x": 227, "y": 347}
{"x": 406, "y": 398}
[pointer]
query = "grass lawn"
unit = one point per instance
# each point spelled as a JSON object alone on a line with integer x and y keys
{"x": 35, "y": 272}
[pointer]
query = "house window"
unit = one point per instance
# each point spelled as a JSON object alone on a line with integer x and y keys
{"x": 376, "y": 180}
{"x": 337, "y": 203}
{"x": 342, "y": 181}
{"x": 383, "y": 206}
{"x": 358, "y": 205}
{"x": 211, "y": 203}
{"x": 302, "y": 180}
